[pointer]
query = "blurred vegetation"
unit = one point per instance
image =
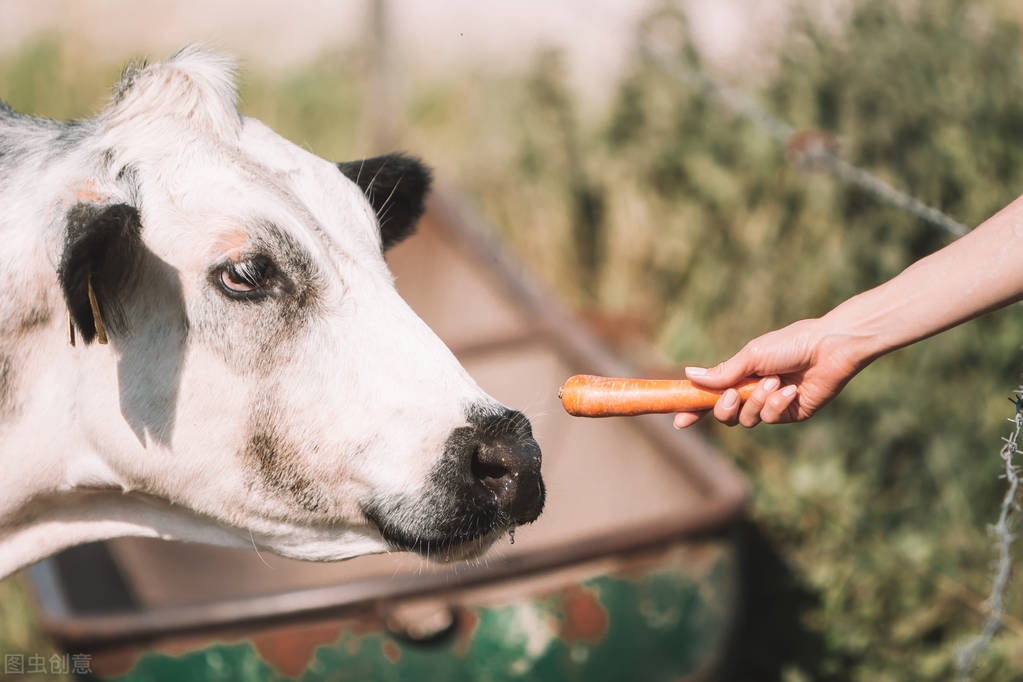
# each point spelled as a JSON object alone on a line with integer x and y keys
{"x": 873, "y": 516}
{"x": 880, "y": 504}
{"x": 19, "y": 630}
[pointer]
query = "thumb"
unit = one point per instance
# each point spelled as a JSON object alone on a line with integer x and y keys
{"x": 725, "y": 374}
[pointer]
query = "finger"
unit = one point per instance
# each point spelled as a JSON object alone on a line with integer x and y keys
{"x": 749, "y": 416}
{"x": 777, "y": 404}
{"x": 684, "y": 419}
{"x": 725, "y": 374}
{"x": 726, "y": 410}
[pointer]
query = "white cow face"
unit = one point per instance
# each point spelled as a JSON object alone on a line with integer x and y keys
{"x": 262, "y": 371}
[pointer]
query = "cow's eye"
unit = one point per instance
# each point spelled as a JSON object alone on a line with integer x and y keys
{"x": 247, "y": 277}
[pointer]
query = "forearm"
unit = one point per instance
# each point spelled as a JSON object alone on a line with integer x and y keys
{"x": 977, "y": 273}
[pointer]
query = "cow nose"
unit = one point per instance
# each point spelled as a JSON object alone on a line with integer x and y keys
{"x": 506, "y": 462}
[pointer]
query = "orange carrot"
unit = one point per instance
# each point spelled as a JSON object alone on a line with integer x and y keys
{"x": 586, "y": 395}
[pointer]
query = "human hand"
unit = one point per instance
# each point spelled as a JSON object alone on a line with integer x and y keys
{"x": 804, "y": 366}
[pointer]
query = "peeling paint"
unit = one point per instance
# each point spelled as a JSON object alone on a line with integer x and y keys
{"x": 291, "y": 650}
{"x": 657, "y": 626}
{"x": 115, "y": 663}
{"x": 391, "y": 651}
{"x": 352, "y": 644}
{"x": 468, "y": 621}
{"x": 586, "y": 618}
{"x": 520, "y": 667}
{"x": 579, "y": 653}
{"x": 532, "y": 628}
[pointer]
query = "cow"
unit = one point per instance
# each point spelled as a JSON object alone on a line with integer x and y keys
{"x": 200, "y": 340}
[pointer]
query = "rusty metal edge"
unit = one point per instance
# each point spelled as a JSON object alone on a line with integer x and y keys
{"x": 725, "y": 489}
{"x": 337, "y": 600}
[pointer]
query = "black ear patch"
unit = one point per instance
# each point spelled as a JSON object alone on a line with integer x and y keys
{"x": 103, "y": 243}
{"x": 396, "y": 186}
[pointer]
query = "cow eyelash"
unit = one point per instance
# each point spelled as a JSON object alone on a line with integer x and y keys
{"x": 246, "y": 279}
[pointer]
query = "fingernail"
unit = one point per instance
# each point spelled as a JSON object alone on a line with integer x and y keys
{"x": 729, "y": 399}
{"x": 695, "y": 371}
{"x": 788, "y": 391}
{"x": 771, "y": 384}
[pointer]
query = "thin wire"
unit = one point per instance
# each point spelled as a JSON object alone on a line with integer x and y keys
{"x": 1004, "y": 538}
{"x": 821, "y": 157}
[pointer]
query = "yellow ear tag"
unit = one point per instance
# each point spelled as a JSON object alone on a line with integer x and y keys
{"x": 97, "y": 317}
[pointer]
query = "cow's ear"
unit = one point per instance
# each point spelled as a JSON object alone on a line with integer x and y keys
{"x": 102, "y": 251}
{"x": 396, "y": 186}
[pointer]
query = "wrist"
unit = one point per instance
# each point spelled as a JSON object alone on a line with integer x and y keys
{"x": 854, "y": 332}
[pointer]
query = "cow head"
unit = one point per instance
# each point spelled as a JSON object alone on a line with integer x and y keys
{"x": 261, "y": 369}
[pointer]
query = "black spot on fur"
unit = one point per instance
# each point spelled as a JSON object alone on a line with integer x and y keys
{"x": 104, "y": 243}
{"x": 396, "y": 186}
{"x": 276, "y": 461}
{"x": 35, "y": 317}
{"x": 6, "y": 384}
{"x": 301, "y": 277}
{"x": 72, "y": 134}
{"x": 128, "y": 77}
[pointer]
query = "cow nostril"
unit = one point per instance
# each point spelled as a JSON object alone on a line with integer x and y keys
{"x": 510, "y": 471}
{"x": 486, "y": 471}
{"x": 504, "y": 466}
